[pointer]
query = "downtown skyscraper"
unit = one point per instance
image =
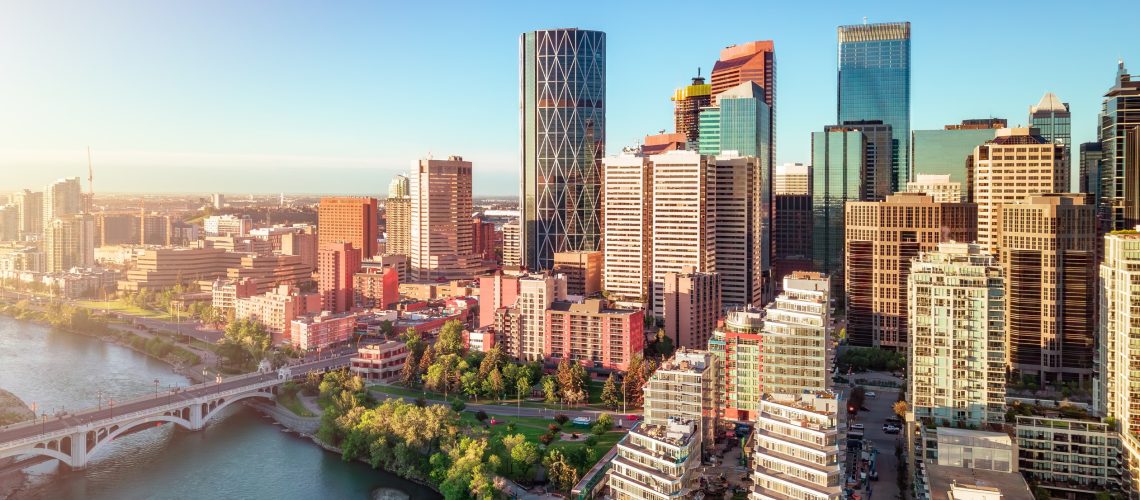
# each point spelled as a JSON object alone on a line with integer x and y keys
{"x": 1119, "y": 134}
{"x": 874, "y": 84}
{"x": 562, "y": 83}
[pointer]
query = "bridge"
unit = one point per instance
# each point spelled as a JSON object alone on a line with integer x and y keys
{"x": 74, "y": 438}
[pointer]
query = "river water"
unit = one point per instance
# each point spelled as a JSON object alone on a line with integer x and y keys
{"x": 239, "y": 455}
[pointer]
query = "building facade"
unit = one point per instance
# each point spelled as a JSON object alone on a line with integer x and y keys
{"x": 838, "y": 158}
{"x": 398, "y": 226}
{"x": 691, "y": 307}
{"x": 882, "y": 239}
{"x": 1119, "y": 359}
{"x": 797, "y": 347}
{"x": 683, "y": 222}
{"x": 349, "y": 220}
{"x": 1048, "y": 247}
{"x": 1120, "y": 114}
{"x": 791, "y": 178}
{"x": 592, "y": 333}
{"x": 944, "y": 152}
{"x": 956, "y": 369}
{"x": 939, "y": 186}
{"x": 562, "y": 109}
{"x": 736, "y": 346}
{"x": 536, "y": 293}
{"x": 627, "y": 220}
{"x": 1052, "y": 118}
{"x": 1015, "y": 164}
{"x": 376, "y": 288}
{"x": 741, "y": 235}
{"x": 799, "y": 451}
{"x": 874, "y": 84}
{"x": 323, "y": 330}
{"x": 337, "y": 263}
{"x": 441, "y": 221}
{"x": 276, "y": 309}
{"x": 687, "y": 104}
{"x": 583, "y": 271}
{"x": 380, "y": 362}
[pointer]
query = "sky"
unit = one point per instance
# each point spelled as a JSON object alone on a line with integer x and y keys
{"x": 337, "y": 97}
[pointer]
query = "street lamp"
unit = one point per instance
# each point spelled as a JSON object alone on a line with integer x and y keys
{"x": 112, "y": 403}
{"x": 99, "y": 394}
{"x": 155, "y": 388}
{"x": 43, "y": 422}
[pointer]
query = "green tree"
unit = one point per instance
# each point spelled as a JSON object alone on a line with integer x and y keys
{"x": 471, "y": 384}
{"x": 611, "y": 398}
{"x": 563, "y": 475}
{"x": 663, "y": 344}
{"x": 495, "y": 385}
{"x": 550, "y": 389}
{"x": 450, "y": 339}
{"x": 387, "y": 329}
{"x": 522, "y": 388}
{"x": 523, "y": 456}
{"x": 510, "y": 441}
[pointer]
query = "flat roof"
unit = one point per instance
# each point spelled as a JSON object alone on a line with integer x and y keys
{"x": 942, "y": 477}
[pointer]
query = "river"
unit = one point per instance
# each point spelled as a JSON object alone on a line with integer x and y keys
{"x": 239, "y": 455}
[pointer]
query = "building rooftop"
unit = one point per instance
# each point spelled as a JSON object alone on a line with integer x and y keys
{"x": 988, "y": 484}
{"x": 1049, "y": 102}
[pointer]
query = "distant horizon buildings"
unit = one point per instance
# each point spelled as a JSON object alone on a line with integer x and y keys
{"x": 562, "y": 107}
{"x": 874, "y": 84}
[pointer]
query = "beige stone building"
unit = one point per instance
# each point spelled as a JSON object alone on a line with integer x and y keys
{"x": 792, "y": 179}
{"x": 881, "y": 239}
{"x": 583, "y": 271}
{"x": 536, "y": 293}
{"x": 1015, "y": 164}
{"x": 627, "y": 223}
{"x": 1048, "y": 247}
{"x": 691, "y": 307}
{"x": 683, "y": 221}
{"x": 939, "y": 186}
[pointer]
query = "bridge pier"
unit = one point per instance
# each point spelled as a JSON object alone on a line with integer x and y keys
{"x": 79, "y": 450}
{"x": 196, "y": 420}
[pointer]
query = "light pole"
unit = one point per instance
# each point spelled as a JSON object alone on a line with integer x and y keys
{"x": 43, "y": 422}
{"x": 99, "y": 394}
{"x": 112, "y": 403}
{"x": 155, "y": 388}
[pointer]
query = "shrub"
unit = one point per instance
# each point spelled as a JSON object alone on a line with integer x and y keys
{"x": 546, "y": 438}
{"x": 561, "y": 419}
{"x": 481, "y": 415}
{"x": 554, "y": 427}
{"x": 421, "y": 402}
{"x": 591, "y": 441}
{"x": 458, "y": 405}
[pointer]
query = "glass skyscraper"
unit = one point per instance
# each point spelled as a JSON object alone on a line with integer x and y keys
{"x": 944, "y": 152}
{"x": 739, "y": 122}
{"x": 562, "y": 77}
{"x": 874, "y": 84}
{"x": 1052, "y": 118}
{"x": 837, "y": 157}
{"x": 1120, "y": 164}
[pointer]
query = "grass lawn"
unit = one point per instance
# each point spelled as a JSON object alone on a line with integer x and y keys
{"x": 122, "y": 308}
{"x": 290, "y": 401}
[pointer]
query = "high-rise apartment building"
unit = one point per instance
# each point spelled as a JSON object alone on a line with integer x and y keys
{"x": 9, "y": 222}
{"x": 874, "y": 84}
{"x": 400, "y": 187}
{"x": 496, "y": 291}
{"x": 1015, "y": 164}
{"x": 687, "y": 104}
{"x": 626, "y": 270}
{"x": 1119, "y": 360}
{"x": 30, "y": 207}
{"x": 1052, "y": 118}
{"x": 536, "y": 293}
{"x": 791, "y": 178}
{"x": 944, "y": 152}
{"x": 441, "y": 220}
{"x": 691, "y": 307}
{"x": 956, "y": 367}
{"x": 741, "y": 249}
{"x": 1048, "y": 247}
{"x": 512, "y": 244}
{"x": 563, "y": 117}
{"x": 398, "y": 226}
{"x": 1088, "y": 174}
{"x": 939, "y": 186}
{"x": 593, "y": 333}
{"x": 1119, "y": 186}
{"x": 351, "y": 220}
{"x": 683, "y": 222}
{"x": 62, "y": 198}
{"x": 882, "y": 239}
{"x": 583, "y": 271}
{"x": 838, "y": 158}
{"x": 69, "y": 241}
{"x": 660, "y": 458}
{"x": 799, "y": 451}
{"x": 736, "y": 345}
{"x": 796, "y": 349}
{"x": 336, "y": 265}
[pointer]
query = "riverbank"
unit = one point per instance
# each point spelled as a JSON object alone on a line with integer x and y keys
{"x": 12, "y": 410}
{"x": 190, "y": 372}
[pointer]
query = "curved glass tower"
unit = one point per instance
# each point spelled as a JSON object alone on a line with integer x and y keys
{"x": 562, "y": 81}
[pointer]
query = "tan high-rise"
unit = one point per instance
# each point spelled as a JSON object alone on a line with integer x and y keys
{"x": 1015, "y": 164}
{"x": 682, "y": 219}
{"x": 1048, "y": 247}
{"x": 626, "y": 219}
{"x": 441, "y": 220}
{"x": 398, "y": 212}
{"x": 881, "y": 239}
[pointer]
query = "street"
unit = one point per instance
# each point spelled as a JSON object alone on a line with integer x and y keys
{"x": 881, "y": 407}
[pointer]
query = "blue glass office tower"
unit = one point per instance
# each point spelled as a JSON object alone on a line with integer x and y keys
{"x": 874, "y": 84}
{"x": 562, "y": 81}
{"x": 838, "y": 159}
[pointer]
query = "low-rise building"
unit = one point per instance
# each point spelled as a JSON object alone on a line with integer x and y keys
{"x": 319, "y": 331}
{"x": 82, "y": 282}
{"x": 224, "y": 293}
{"x": 593, "y": 333}
{"x": 276, "y": 309}
{"x": 379, "y": 362}
{"x": 376, "y": 287}
{"x": 1069, "y": 456}
{"x": 658, "y": 461}
{"x": 480, "y": 340}
{"x": 166, "y": 267}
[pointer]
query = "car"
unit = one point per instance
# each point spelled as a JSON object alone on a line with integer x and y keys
{"x": 871, "y": 394}
{"x": 894, "y": 420}
{"x": 633, "y": 417}
{"x": 857, "y": 427}
{"x": 891, "y": 429}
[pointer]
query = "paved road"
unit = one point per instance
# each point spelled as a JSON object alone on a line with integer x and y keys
{"x": 886, "y": 488}
{"x": 55, "y": 423}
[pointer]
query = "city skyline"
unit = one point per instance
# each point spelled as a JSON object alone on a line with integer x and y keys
{"x": 197, "y": 107}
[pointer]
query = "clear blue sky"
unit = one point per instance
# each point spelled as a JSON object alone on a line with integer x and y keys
{"x": 336, "y": 97}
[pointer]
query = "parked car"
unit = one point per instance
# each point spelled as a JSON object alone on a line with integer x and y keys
{"x": 871, "y": 394}
{"x": 857, "y": 427}
{"x": 633, "y": 417}
{"x": 891, "y": 429}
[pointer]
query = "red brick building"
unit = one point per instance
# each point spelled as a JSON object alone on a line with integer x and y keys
{"x": 336, "y": 264}
{"x": 591, "y": 333}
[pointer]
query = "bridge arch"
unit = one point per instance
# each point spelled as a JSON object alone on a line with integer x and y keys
{"x": 217, "y": 406}
{"x": 40, "y": 449}
{"x": 119, "y": 430}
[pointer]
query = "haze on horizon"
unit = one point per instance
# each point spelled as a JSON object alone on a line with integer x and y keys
{"x": 218, "y": 96}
